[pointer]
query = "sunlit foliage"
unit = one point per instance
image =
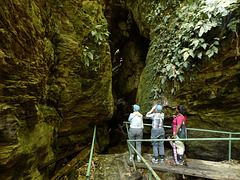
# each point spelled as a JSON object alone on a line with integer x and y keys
{"x": 180, "y": 36}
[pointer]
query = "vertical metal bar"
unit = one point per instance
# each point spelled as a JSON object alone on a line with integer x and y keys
{"x": 130, "y": 152}
{"x": 149, "y": 175}
{"x": 230, "y": 147}
{"x": 91, "y": 153}
{"x": 127, "y": 128}
{"x": 144, "y": 161}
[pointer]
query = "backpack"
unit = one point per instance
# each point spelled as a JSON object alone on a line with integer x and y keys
{"x": 182, "y": 134}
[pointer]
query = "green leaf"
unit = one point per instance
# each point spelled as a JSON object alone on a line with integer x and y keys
{"x": 90, "y": 55}
{"x": 225, "y": 12}
{"x": 199, "y": 55}
{"x": 216, "y": 43}
{"x": 204, "y": 45}
{"x": 93, "y": 32}
{"x": 169, "y": 66}
{"x": 198, "y": 25}
{"x": 233, "y": 24}
{"x": 207, "y": 26}
{"x": 215, "y": 49}
{"x": 163, "y": 70}
{"x": 100, "y": 37}
{"x": 86, "y": 61}
{"x": 210, "y": 53}
{"x": 98, "y": 26}
{"x": 184, "y": 49}
{"x": 163, "y": 80}
{"x": 165, "y": 61}
{"x": 185, "y": 64}
{"x": 94, "y": 69}
{"x": 185, "y": 56}
{"x": 191, "y": 53}
{"x": 201, "y": 31}
{"x": 195, "y": 42}
{"x": 181, "y": 78}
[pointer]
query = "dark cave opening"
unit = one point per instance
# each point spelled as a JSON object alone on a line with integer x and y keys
{"x": 128, "y": 50}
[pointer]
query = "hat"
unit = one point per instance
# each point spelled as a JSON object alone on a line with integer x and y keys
{"x": 158, "y": 107}
{"x": 136, "y": 107}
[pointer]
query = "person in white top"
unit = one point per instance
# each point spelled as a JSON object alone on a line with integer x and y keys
{"x": 157, "y": 132}
{"x": 136, "y": 130}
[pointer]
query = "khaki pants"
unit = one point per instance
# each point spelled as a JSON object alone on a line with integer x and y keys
{"x": 180, "y": 147}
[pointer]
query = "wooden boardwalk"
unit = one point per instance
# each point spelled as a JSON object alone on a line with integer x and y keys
{"x": 118, "y": 167}
{"x": 196, "y": 167}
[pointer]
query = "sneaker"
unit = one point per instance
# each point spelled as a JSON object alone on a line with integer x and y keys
{"x": 155, "y": 160}
{"x": 131, "y": 158}
{"x": 180, "y": 159}
{"x": 138, "y": 159}
{"x": 162, "y": 160}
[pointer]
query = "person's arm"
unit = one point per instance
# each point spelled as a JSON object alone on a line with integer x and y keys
{"x": 130, "y": 117}
{"x": 149, "y": 114}
{"x": 177, "y": 130}
{"x": 142, "y": 121}
{"x": 162, "y": 116}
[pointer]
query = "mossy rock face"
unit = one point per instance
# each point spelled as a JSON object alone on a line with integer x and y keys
{"x": 83, "y": 83}
{"x": 211, "y": 97}
{"x": 56, "y": 81}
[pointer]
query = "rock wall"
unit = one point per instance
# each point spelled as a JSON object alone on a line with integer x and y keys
{"x": 55, "y": 80}
{"x": 211, "y": 96}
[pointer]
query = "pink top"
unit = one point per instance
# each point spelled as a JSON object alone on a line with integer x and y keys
{"x": 178, "y": 120}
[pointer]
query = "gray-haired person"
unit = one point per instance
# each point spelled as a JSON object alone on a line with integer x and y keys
{"x": 135, "y": 131}
{"x": 157, "y": 132}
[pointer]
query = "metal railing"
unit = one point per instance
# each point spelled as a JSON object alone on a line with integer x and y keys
{"x": 151, "y": 171}
{"x": 91, "y": 154}
{"x": 200, "y": 139}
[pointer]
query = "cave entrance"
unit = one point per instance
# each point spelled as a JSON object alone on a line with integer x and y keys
{"x": 129, "y": 50}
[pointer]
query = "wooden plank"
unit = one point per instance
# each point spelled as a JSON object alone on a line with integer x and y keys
{"x": 197, "y": 168}
{"x": 79, "y": 158}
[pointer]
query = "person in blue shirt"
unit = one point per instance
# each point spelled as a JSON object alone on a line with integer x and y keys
{"x": 157, "y": 132}
{"x": 136, "y": 130}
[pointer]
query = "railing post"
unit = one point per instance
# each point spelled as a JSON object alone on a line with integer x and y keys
{"x": 91, "y": 153}
{"x": 127, "y": 127}
{"x": 144, "y": 161}
{"x": 130, "y": 153}
{"x": 149, "y": 175}
{"x": 230, "y": 147}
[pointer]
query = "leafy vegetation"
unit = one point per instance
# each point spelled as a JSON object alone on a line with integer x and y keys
{"x": 98, "y": 37}
{"x": 181, "y": 35}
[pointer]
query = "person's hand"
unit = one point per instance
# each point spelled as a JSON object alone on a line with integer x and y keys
{"x": 153, "y": 108}
{"x": 172, "y": 115}
{"x": 174, "y": 136}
